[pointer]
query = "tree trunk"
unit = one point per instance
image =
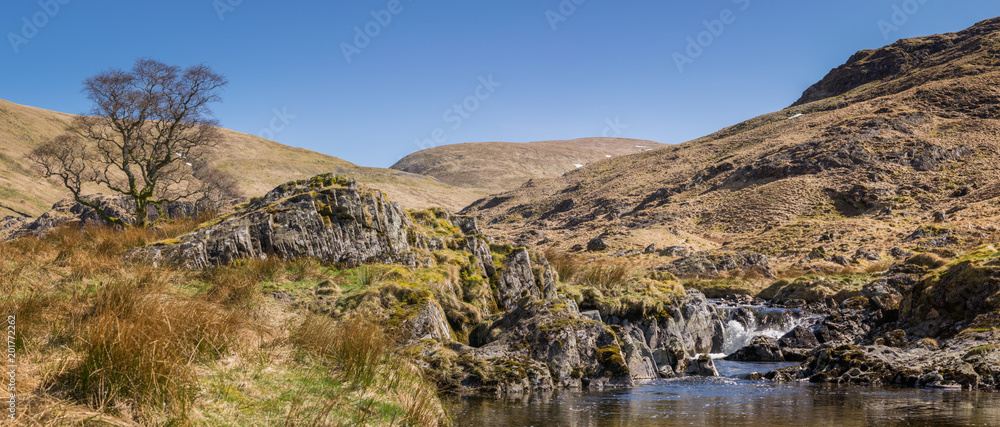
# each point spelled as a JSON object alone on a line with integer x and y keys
{"x": 141, "y": 212}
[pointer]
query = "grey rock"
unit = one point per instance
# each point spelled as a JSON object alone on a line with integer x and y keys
{"x": 703, "y": 366}
{"x": 672, "y": 251}
{"x": 484, "y": 258}
{"x": 760, "y": 349}
{"x": 597, "y": 244}
{"x": 429, "y": 322}
{"x": 517, "y": 280}
{"x": 707, "y": 264}
{"x": 326, "y": 217}
{"x": 592, "y": 315}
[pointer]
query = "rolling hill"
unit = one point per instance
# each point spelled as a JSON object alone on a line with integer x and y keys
{"x": 256, "y": 163}
{"x": 495, "y": 167}
{"x": 896, "y": 148}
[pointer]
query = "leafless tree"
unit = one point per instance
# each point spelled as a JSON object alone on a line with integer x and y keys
{"x": 146, "y": 137}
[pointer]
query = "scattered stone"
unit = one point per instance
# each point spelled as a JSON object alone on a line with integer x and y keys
{"x": 597, "y": 244}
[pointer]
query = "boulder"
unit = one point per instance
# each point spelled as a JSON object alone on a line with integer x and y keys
{"x": 760, "y": 349}
{"x": 703, "y": 366}
{"x": 799, "y": 338}
{"x": 597, "y": 244}
{"x": 637, "y": 356}
{"x": 429, "y": 322}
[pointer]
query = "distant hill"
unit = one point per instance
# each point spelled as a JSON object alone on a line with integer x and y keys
{"x": 502, "y": 166}
{"x": 256, "y": 163}
{"x": 899, "y": 147}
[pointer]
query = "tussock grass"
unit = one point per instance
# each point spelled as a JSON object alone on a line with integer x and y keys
{"x": 366, "y": 358}
{"x": 138, "y": 347}
{"x": 102, "y": 339}
{"x": 359, "y": 347}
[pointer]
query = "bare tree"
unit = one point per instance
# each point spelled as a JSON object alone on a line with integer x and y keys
{"x": 146, "y": 137}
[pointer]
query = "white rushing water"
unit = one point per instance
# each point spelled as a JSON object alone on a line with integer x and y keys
{"x": 739, "y": 331}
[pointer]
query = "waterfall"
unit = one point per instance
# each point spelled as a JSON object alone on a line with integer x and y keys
{"x": 743, "y": 323}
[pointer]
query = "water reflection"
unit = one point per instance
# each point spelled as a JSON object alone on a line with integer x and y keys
{"x": 727, "y": 401}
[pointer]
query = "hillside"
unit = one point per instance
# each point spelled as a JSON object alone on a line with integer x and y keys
{"x": 502, "y": 166}
{"x": 257, "y": 164}
{"x": 898, "y": 138}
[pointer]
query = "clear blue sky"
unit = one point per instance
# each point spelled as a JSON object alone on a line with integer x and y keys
{"x": 604, "y": 62}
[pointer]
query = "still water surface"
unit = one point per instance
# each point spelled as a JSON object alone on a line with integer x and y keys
{"x": 729, "y": 401}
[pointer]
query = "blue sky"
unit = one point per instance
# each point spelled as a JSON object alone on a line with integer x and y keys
{"x": 452, "y": 72}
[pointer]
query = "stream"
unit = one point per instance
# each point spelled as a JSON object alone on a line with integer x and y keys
{"x": 729, "y": 400}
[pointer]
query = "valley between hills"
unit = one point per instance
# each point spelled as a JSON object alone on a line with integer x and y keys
{"x": 852, "y": 236}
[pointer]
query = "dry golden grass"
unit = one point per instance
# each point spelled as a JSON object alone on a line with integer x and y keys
{"x": 104, "y": 340}
{"x": 947, "y": 101}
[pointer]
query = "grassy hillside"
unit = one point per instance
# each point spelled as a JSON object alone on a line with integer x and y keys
{"x": 502, "y": 166}
{"x": 898, "y": 138}
{"x": 256, "y": 163}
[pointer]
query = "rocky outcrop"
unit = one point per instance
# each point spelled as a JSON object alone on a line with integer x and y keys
{"x": 707, "y": 265}
{"x": 72, "y": 213}
{"x": 971, "y": 362}
{"x": 897, "y": 61}
{"x": 577, "y": 352}
{"x": 326, "y": 217}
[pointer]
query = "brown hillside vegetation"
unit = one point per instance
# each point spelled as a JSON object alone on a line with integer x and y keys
{"x": 503, "y": 166}
{"x": 899, "y": 138}
{"x": 257, "y": 164}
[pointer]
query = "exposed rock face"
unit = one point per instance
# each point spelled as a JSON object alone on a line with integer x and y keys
{"x": 637, "y": 355}
{"x": 484, "y": 258}
{"x": 518, "y": 280}
{"x": 326, "y": 217}
{"x": 10, "y": 225}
